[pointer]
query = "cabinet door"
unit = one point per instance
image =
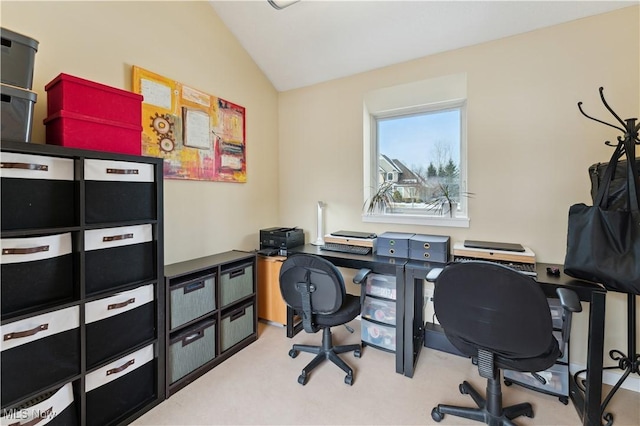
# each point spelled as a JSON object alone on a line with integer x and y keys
{"x": 271, "y": 306}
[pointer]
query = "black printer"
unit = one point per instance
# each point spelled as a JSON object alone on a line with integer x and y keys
{"x": 281, "y": 238}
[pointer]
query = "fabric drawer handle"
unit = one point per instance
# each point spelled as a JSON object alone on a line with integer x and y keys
{"x": 25, "y": 166}
{"x": 193, "y": 287}
{"x": 121, "y": 368}
{"x": 25, "y": 250}
{"x": 26, "y": 333}
{"x": 117, "y": 237}
{"x": 236, "y": 273}
{"x": 122, "y": 171}
{"x": 121, "y": 304}
{"x": 192, "y": 338}
{"x": 238, "y": 314}
{"x": 40, "y": 417}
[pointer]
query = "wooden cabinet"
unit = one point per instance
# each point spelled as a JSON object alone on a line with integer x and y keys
{"x": 211, "y": 313}
{"x": 271, "y": 306}
{"x": 82, "y": 290}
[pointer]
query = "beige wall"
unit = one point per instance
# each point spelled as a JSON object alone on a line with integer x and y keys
{"x": 529, "y": 148}
{"x": 186, "y": 41}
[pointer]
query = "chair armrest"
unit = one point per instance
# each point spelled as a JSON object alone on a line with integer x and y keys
{"x": 570, "y": 303}
{"x": 361, "y": 275}
{"x": 433, "y": 274}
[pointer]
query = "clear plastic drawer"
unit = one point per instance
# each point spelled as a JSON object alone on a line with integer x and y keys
{"x": 381, "y": 286}
{"x": 379, "y": 335}
{"x": 379, "y": 310}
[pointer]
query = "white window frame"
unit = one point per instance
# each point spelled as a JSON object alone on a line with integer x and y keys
{"x": 431, "y": 95}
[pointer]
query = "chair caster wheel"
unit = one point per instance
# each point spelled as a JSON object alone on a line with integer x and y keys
{"x": 303, "y": 379}
{"x": 564, "y": 400}
{"x": 436, "y": 415}
{"x": 357, "y": 353}
{"x": 348, "y": 379}
{"x": 293, "y": 353}
{"x": 508, "y": 383}
{"x": 463, "y": 389}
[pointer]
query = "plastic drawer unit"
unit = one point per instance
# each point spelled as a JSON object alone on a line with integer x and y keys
{"x": 36, "y": 272}
{"x": 119, "y": 191}
{"x": 18, "y": 58}
{"x": 192, "y": 299}
{"x": 556, "y": 380}
{"x": 130, "y": 378}
{"x": 38, "y": 351}
{"x": 37, "y": 192}
{"x": 192, "y": 348}
{"x": 124, "y": 320}
{"x": 434, "y": 248}
{"x": 236, "y": 283}
{"x": 16, "y": 119}
{"x": 237, "y": 325}
{"x": 393, "y": 244}
{"x": 58, "y": 408}
{"x": 379, "y": 335}
{"x": 118, "y": 256}
{"x": 379, "y": 310}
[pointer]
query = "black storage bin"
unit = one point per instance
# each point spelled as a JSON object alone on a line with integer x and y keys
{"x": 192, "y": 299}
{"x": 57, "y": 408}
{"x": 18, "y": 58}
{"x": 118, "y": 256}
{"x": 36, "y": 272}
{"x": 37, "y": 192}
{"x": 116, "y": 390}
{"x": 191, "y": 349}
{"x": 118, "y": 191}
{"x": 16, "y": 113}
{"x": 237, "y": 325}
{"x": 120, "y": 322}
{"x": 39, "y": 351}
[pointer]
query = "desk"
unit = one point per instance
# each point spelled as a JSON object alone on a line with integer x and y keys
{"x": 378, "y": 265}
{"x": 586, "y": 403}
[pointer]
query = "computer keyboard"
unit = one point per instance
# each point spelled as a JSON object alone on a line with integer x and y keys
{"x": 345, "y": 248}
{"x": 524, "y": 268}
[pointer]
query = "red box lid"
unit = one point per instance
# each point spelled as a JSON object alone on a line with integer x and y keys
{"x": 93, "y": 84}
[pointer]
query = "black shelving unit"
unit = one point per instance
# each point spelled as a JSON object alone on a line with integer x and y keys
{"x": 83, "y": 298}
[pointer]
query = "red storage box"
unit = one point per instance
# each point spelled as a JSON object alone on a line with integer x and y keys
{"x": 82, "y": 131}
{"x": 77, "y": 95}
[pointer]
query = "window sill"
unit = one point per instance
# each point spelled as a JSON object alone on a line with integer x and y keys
{"x": 405, "y": 219}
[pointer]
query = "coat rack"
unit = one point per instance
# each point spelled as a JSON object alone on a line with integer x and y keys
{"x": 628, "y": 363}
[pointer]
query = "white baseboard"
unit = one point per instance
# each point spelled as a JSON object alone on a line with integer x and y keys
{"x": 611, "y": 377}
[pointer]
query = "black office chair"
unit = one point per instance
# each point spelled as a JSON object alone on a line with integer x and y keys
{"x": 315, "y": 289}
{"x": 501, "y": 319}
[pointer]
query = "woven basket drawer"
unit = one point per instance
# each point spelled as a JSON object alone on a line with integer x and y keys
{"x": 36, "y": 272}
{"x": 192, "y": 299}
{"x": 37, "y": 192}
{"x": 236, "y": 284}
{"x": 55, "y": 408}
{"x": 191, "y": 349}
{"x": 38, "y": 351}
{"x": 125, "y": 320}
{"x": 114, "y": 391}
{"x": 237, "y": 325}
{"x": 118, "y": 191}
{"x": 118, "y": 256}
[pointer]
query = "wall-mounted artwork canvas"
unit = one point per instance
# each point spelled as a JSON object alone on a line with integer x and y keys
{"x": 200, "y": 136}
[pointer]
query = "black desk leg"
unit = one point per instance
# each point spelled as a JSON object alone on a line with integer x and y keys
{"x": 413, "y": 321}
{"x": 402, "y": 293}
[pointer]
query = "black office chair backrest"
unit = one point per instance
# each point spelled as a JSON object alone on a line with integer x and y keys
{"x": 329, "y": 289}
{"x": 489, "y": 306}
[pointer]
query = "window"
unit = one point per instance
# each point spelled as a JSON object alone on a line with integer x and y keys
{"x": 415, "y": 154}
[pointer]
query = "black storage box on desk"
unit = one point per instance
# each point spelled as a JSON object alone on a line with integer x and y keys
{"x": 191, "y": 348}
{"x": 58, "y": 408}
{"x": 36, "y": 272}
{"x": 18, "y": 59}
{"x": 37, "y": 192}
{"x": 38, "y": 351}
{"x": 118, "y": 191}
{"x": 393, "y": 244}
{"x": 119, "y": 322}
{"x": 118, "y": 256}
{"x": 117, "y": 389}
{"x": 434, "y": 248}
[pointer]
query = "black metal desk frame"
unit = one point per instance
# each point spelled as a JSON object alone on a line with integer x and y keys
{"x": 410, "y": 277}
